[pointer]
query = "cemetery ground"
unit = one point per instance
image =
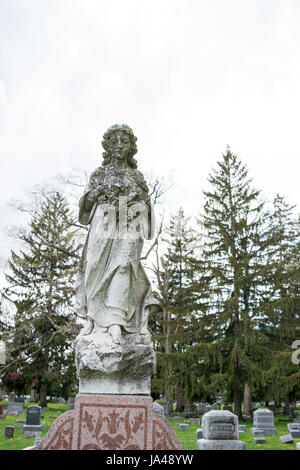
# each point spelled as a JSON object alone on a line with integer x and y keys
{"x": 187, "y": 438}
{"x": 18, "y": 442}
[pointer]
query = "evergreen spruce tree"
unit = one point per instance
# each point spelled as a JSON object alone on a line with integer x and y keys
{"x": 233, "y": 263}
{"x": 42, "y": 278}
{"x": 280, "y": 310}
{"x": 171, "y": 332}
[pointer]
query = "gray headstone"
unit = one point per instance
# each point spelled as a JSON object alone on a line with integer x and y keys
{"x": 176, "y": 418}
{"x": 13, "y": 407}
{"x": 298, "y": 446}
{"x": 286, "y": 439}
{"x": 202, "y": 408}
{"x": 260, "y": 440}
{"x": 220, "y": 432}
{"x": 157, "y": 408}
{"x": 199, "y": 434}
{"x": 183, "y": 427}
{"x": 263, "y": 418}
{"x": 190, "y": 411}
{"x": 9, "y": 432}
{"x": 217, "y": 424}
{"x": 242, "y": 428}
{"x": 195, "y": 421}
{"x": 293, "y": 426}
{"x": 33, "y": 415}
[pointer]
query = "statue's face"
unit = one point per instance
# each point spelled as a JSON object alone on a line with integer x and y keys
{"x": 120, "y": 145}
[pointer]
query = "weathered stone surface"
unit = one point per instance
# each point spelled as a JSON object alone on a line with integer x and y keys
{"x": 202, "y": 408}
{"x": 242, "y": 428}
{"x": 107, "y": 422}
{"x": 257, "y": 432}
{"x": 164, "y": 404}
{"x": 199, "y": 434}
{"x": 260, "y": 440}
{"x": 195, "y": 421}
{"x": 263, "y": 418}
{"x": 286, "y": 439}
{"x": 293, "y": 426}
{"x": 204, "y": 444}
{"x": 298, "y": 446}
{"x": 183, "y": 427}
{"x": 190, "y": 410}
{"x": 37, "y": 441}
{"x": 9, "y": 432}
{"x": 113, "y": 351}
{"x": 124, "y": 368}
{"x": 14, "y": 407}
{"x": 217, "y": 424}
{"x": 31, "y": 434}
{"x": 33, "y": 415}
{"x": 157, "y": 408}
{"x": 32, "y": 428}
{"x": 220, "y": 432}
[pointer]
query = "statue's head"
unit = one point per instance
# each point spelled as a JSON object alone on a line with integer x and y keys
{"x": 119, "y": 143}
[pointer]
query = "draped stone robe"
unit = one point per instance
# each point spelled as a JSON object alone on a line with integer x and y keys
{"x": 112, "y": 287}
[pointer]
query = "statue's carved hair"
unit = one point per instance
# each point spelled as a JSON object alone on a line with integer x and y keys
{"x": 106, "y": 143}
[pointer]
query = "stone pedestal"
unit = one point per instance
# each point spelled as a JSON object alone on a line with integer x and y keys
{"x": 110, "y": 422}
{"x": 108, "y": 368}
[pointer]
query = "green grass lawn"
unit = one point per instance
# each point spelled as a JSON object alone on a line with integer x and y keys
{"x": 18, "y": 442}
{"x": 188, "y": 438}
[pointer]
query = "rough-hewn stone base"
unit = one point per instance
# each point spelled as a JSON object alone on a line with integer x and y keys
{"x": 110, "y": 422}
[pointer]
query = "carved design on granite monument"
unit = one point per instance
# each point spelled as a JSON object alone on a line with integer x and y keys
{"x": 163, "y": 436}
{"x": 60, "y": 435}
{"x": 113, "y": 351}
{"x": 119, "y": 429}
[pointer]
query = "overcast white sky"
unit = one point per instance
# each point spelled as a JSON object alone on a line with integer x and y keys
{"x": 189, "y": 77}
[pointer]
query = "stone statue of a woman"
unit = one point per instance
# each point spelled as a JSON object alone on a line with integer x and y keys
{"x": 113, "y": 351}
